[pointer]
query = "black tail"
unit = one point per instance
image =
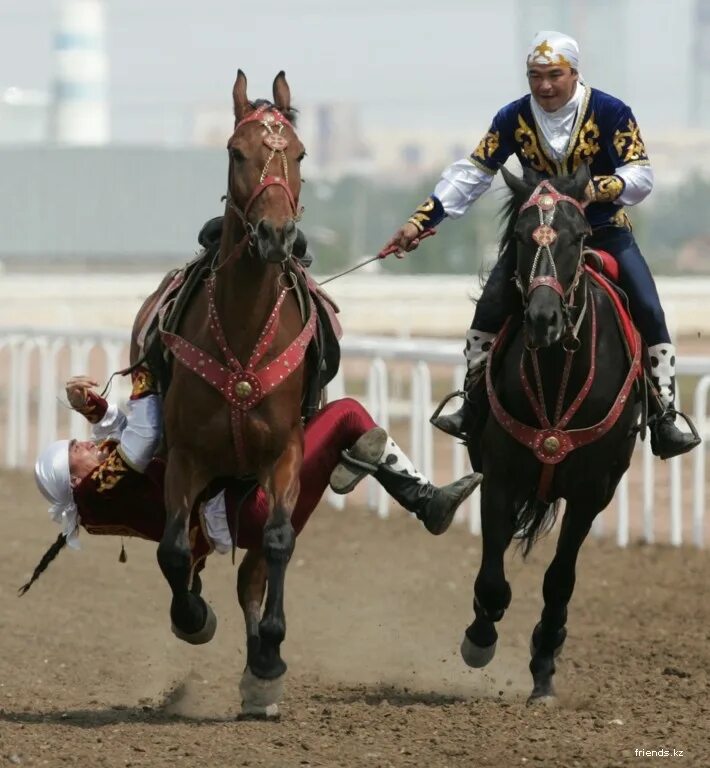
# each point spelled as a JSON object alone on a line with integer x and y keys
{"x": 534, "y": 519}
{"x": 47, "y": 558}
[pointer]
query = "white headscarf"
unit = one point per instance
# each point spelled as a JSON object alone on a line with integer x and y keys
{"x": 550, "y": 47}
{"x": 54, "y": 481}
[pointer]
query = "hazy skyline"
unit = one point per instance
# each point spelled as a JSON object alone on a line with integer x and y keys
{"x": 403, "y": 63}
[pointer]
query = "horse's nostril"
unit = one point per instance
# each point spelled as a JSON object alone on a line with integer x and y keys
{"x": 289, "y": 228}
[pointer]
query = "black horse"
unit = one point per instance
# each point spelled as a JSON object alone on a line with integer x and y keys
{"x": 564, "y": 341}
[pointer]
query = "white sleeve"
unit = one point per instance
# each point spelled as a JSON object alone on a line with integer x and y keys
{"x": 639, "y": 183}
{"x": 141, "y": 437}
{"x": 111, "y": 426}
{"x": 461, "y": 184}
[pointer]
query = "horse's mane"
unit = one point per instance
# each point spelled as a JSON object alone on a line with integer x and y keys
{"x": 291, "y": 114}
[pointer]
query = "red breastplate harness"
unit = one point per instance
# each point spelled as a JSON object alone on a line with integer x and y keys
{"x": 243, "y": 387}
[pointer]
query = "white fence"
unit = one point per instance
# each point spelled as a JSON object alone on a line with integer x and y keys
{"x": 35, "y": 361}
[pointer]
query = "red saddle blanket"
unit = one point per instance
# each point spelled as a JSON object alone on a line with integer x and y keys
{"x": 603, "y": 268}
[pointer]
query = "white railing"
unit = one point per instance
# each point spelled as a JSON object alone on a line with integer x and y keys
{"x": 34, "y": 362}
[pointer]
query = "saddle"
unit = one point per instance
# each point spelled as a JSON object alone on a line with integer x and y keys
{"x": 323, "y": 354}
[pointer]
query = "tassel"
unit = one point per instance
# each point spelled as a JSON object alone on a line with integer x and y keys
{"x": 122, "y": 557}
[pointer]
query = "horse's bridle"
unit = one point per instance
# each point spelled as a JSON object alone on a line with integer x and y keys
{"x": 270, "y": 118}
{"x": 546, "y": 198}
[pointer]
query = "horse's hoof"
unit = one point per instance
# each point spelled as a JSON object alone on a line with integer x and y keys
{"x": 260, "y": 698}
{"x": 474, "y": 655}
{"x": 203, "y": 635}
{"x": 542, "y": 700}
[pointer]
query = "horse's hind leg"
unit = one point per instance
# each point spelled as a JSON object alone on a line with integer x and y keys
{"x": 283, "y": 487}
{"x": 491, "y": 590}
{"x": 549, "y": 635}
{"x": 192, "y": 618}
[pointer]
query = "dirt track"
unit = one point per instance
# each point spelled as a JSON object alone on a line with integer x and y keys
{"x": 91, "y": 676}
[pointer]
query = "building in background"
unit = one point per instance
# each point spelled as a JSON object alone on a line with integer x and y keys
{"x": 80, "y": 107}
{"x": 23, "y": 116}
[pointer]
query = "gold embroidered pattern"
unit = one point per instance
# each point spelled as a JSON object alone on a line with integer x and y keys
{"x": 115, "y": 530}
{"x": 607, "y": 188}
{"x": 587, "y": 144}
{"x": 525, "y": 136}
{"x": 542, "y": 55}
{"x": 143, "y": 383}
{"x": 109, "y": 472}
{"x": 487, "y": 146}
{"x": 421, "y": 217}
{"x": 629, "y": 144}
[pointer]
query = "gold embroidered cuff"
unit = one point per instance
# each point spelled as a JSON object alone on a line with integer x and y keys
{"x": 607, "y": 188}
{"x": 428, "y": 214}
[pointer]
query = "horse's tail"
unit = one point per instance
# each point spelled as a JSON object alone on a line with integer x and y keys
{"x": 534, "y": 519}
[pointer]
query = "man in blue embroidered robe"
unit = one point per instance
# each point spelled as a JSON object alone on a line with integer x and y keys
{"x": 559, "y": 125}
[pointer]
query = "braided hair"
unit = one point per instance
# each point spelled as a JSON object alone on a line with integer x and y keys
{"x": 47, "y": 558}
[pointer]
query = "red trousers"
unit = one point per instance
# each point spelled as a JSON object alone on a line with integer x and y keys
{"x": 334, "y": 428}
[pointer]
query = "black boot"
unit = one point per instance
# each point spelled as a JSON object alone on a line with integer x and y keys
{"x": 434, "y": 506}
{"x": 458, "y": 424}
{"x": 453, "y": 424}
{"x": 377, "y": 454}
{"x": 667, "y": 440}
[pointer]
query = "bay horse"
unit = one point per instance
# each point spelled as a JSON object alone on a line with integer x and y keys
{"x": 244, "y": 335}
{"x": 562, "y": 413}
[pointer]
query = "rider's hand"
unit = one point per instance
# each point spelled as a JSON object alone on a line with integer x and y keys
{"x": 405, "y": 239}
{"x": 77, "y": 389}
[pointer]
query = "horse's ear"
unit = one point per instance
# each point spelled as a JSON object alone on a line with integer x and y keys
{"x": 282, "y": 93}
{"x": 239, "y": 95}
{"x": 518, "y": 186}
{"x": 532, "y": 176}
{"x": 580, "y": 181}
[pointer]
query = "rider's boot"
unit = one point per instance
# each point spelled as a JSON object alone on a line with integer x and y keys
{"x": 377, "y": 454}
{"x": 478, "y": 346}
{"x": 666, "y": 439}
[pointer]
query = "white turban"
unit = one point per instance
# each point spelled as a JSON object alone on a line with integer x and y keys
{"x": 550, "y": 47}
{"x": 54, "y": 481}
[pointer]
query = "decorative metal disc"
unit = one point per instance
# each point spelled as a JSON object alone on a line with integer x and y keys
{"x": 544, "y": 235}
{"x": 275, "y": 141}
{"x": 243, "y": 389}
{"x": 546, "y": 202}
{"x": 551, "y": 445}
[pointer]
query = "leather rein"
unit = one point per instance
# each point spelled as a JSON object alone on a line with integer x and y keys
{"x": 552, "y": 441}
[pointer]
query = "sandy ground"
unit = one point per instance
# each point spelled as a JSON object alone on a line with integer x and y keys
{"x": 91, "y": 675}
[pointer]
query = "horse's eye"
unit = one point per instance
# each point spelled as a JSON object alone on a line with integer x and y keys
{"x": 237, "y": 154}
{"x": 300, "y": 157}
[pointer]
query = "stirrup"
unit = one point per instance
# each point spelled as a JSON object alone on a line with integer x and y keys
{"x": 443, "y": 404}
{"x": 688, "y": 421}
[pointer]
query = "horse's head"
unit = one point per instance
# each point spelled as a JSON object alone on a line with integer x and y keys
{"x": 549, "y": 231}
{"x": 264, "y": 169}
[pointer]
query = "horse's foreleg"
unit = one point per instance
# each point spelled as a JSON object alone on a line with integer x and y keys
{"x": 549, "y": 635}
{"x": 251, "y": 586}
{"x": 492, "y": 592}
{"x": 192, "y": 618}
{"x": 279, "y": 539}
{"x": 259, "y": 697}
